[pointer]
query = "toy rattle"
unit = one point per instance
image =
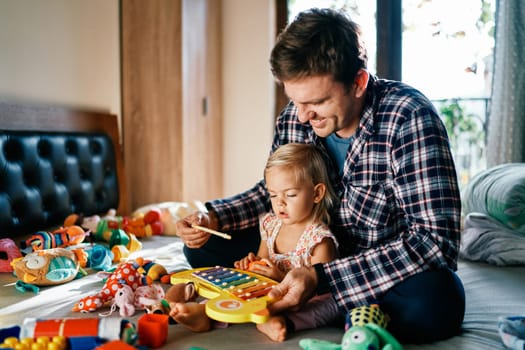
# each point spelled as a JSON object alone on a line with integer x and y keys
{"x": 236, "y": 296}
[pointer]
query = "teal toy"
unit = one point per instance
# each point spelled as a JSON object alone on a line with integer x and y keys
{"x": 369, "y": 336}
{"x": 365, "y": 329}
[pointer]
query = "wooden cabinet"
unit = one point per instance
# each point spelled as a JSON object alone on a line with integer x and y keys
{"x": 171, "y": 101}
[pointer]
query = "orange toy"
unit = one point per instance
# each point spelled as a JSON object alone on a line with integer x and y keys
{"x": 111, "y": 328}
{"x": 144, "y": 225}
{"x": 104, "y": 227}
{"x": 47, "y": 267}
{"x": 109, "y": 229}
{"x": 256, "y": 262}
{"x": 115, "y": 345}
{"x": 60, "y": 238}
{"x": 153, "y": 330}
{"x": 126, "y": 273}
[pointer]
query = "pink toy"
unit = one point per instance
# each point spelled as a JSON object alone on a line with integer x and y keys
{"x": 10, "y": 251}
{"x": 128, "y": 301}
{"x": 127, "y": 273}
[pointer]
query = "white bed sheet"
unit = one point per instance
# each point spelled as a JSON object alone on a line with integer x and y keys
{"x": 491, "y": 292}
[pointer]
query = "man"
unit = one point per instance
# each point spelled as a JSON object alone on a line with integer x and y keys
{"x": 399, "y": 216}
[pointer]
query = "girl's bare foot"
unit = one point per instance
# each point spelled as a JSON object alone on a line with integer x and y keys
{"x": 191, "y": 315}
{"x": 274, "y": 328}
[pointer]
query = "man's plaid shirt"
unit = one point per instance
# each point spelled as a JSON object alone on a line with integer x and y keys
{"x": 400, "y": 205}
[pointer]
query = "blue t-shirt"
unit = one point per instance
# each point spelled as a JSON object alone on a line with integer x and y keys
{"x": 337, "y": 148}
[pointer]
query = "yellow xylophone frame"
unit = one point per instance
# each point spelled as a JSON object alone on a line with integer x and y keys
{"x": 228, "y": 303}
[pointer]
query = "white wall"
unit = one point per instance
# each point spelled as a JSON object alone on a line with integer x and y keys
{"x": 61, "y": 51}
{"x": 248, "y": 95}
{"x": 67, "y": 52}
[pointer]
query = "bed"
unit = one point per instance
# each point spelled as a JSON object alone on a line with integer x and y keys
{"x": 491, "y": 291}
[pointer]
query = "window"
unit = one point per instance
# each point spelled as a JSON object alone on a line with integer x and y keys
{"x": 447, "y": 48}
{"x": 362, "y": 12}
{"x": 447, "y": 54}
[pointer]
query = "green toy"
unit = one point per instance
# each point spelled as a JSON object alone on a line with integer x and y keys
{"x": 361, "y": 315}
{"x": 369, "y": 336}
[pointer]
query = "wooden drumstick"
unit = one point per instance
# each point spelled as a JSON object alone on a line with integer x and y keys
{"x": 213, "y": 232}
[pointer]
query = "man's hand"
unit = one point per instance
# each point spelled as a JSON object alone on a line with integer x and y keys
{"x": 193, "y": 237}
{"x": 296, "y": 288}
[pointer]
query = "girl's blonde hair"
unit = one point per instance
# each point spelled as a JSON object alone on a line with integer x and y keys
{"x": 308, "y": 162}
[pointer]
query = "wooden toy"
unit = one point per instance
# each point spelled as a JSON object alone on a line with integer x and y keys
{"x": 235, "y": 296}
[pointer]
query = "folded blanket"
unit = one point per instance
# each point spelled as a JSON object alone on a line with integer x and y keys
{"x": 485, "y": 239}
{"x": 500, "y": 193}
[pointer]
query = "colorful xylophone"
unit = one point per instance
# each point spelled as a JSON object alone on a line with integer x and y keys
{"x": 235, "y": 296}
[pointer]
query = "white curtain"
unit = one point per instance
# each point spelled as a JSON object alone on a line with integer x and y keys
{"x": 506, "y": 125}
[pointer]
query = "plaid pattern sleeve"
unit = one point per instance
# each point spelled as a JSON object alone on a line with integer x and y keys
{"x": 243, "y": 210}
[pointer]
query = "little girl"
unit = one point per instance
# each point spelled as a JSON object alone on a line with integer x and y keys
{"x": 295, "y": 233}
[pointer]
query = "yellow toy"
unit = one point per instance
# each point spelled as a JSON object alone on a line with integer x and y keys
{"x": 42, "y": 342}
{"x": 361, "y": 315}
{"x": 235, "y": 296}
{"x": 153, "y": 271}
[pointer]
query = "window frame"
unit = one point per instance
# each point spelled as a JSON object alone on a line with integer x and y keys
{"x": 389, "y": 31}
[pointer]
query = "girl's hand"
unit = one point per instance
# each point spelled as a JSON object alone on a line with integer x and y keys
{"x": 266, "y": 268}
{"x": 244, "y": 263}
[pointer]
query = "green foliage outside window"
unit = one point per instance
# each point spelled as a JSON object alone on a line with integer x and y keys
{"x": 466, "y": 132}
{"x": 460, "y": 124}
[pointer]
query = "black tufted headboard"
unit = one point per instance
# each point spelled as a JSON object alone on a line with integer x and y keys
{"x": 55, "y": 161}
